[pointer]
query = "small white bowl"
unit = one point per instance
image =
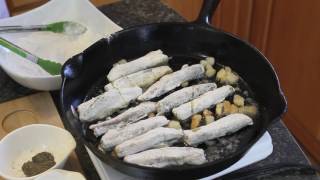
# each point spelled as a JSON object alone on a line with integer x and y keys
{"x": 61, "y": 175}
{"x": 22, "y": 144}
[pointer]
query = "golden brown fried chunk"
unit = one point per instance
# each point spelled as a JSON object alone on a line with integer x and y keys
{"x": 238, "y": 100}
{"x": 208, "y": 119}
{"x": 251, "y": 110}
{"x": 195, "y": 121}
{"x": 174, "y": 124}
{"x": 226, "y": 76}
{"x": 226, "y": 108}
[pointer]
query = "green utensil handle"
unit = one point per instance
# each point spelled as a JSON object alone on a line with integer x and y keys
{"x": 51, "y": 67}
{"x": 13, "y": 48}
{"x": 16, "y": 29}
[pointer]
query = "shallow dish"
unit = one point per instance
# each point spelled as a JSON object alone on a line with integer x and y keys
{"x": 52, "y": 46}
{"x": 21, "y": 144}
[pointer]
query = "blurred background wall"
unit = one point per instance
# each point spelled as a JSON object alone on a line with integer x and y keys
{"x": 3, "y": 9}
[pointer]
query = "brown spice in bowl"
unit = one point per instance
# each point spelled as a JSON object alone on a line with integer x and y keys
{"x": 40, "y": 163}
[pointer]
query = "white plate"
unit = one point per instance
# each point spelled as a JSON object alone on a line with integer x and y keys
{"x": 49, "y": 45}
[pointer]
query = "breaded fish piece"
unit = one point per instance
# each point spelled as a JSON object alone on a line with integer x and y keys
{"x": 152, "y": 59}
{"x": 154, "y": 138}
{"x": 203, "y": 102}
{"x": 181, "y": 96}
{"x": 171, "y": 81}
{"x": 116, "y": 136}
{"x": 223, "y": 126}
{"x": 107, "y": 103}
{"x": 168, "y": 156}
{"x": 129, "y": 116}
{"x": 143, "y": 79}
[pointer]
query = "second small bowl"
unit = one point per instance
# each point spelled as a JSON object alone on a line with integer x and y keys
{"x": 22, "y": 144}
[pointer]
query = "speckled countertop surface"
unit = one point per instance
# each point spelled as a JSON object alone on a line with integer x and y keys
{"x": 133, "y": 12}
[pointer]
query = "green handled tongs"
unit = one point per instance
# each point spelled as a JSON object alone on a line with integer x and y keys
{"x": 66, "y": 27}
{"x": 51, "y": 67}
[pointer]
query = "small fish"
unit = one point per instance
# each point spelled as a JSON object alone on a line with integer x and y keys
{"x": 181, "y": 96}
{"x": 154, "y": 138}
{"x": 203, "y": 102}
{"x": 168, "y": 156}
{"x": 223, "y": 126}
{"x": 142, "y": 79}
{"x": 107, "y": 103}
{"x": 117, "y": 136}
{"x": 152, "y": 59}
{"x": 129, "y": 116}
{"x": 171, "y": 81}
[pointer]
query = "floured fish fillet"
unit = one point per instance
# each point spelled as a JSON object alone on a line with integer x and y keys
{"x": 107, "y": 103}
{"x": 171, "y": 81}
{"x": 168, "y": 156}
{"x": 152, "y": 59}
{"x": 116, "y": 136}
{"x": 223, "y": 126}
{"x": 181, "y": 96}
{"x": 142, "y": 79}
{"x": 129, "y": 116}
{"x": 158, "y": 137}
{"x": 203, "y": 102}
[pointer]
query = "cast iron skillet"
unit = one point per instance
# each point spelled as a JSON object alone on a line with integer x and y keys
{"x": 187, "y": 42}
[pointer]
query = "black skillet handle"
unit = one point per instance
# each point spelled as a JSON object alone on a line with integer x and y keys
{"x": 206, "y": 12}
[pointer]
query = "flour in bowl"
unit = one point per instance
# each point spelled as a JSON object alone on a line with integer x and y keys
{"x": 52, "y": 46}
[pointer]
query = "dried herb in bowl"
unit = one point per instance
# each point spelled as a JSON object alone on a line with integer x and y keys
{"x": 40, "y": 163}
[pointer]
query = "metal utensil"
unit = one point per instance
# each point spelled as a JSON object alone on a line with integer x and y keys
{"x": 51, "y": 67}
{"x": 65, "y": 27}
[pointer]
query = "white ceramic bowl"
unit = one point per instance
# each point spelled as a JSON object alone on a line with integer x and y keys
{"x": 49, "y": 45}
{"x": 58, "y": 174}
{"x": 21, "y": 144}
